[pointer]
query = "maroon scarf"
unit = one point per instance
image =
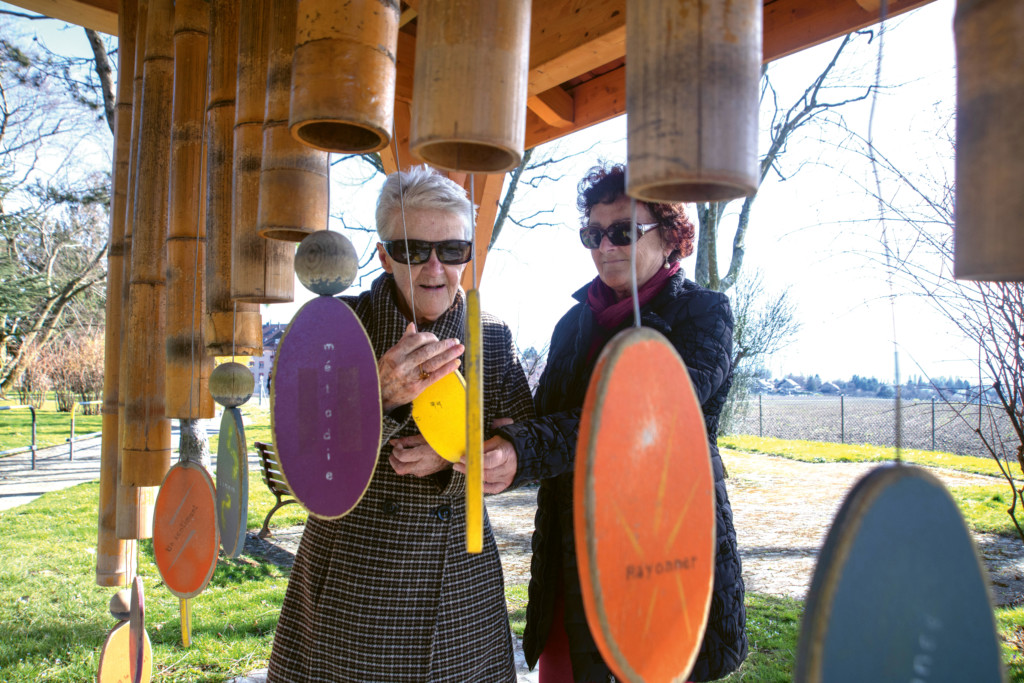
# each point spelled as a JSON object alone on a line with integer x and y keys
{"x": 610, "y": 311}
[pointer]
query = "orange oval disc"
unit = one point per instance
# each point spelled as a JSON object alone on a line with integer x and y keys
{"x": 185, "y": 534}
{"x": 644, "y": 504}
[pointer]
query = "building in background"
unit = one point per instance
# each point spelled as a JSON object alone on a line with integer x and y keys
{"x": 263, "y": 366}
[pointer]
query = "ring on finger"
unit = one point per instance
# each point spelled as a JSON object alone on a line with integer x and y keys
{"x": 423, "y": 373}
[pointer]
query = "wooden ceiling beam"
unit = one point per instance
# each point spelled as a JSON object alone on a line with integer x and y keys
{"x": 99, "y": 15}
{"x": 555, "y": 107}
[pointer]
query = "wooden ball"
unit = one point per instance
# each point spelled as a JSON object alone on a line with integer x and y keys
{"x": 231, "y": 384}
{"x": 326, "y": 262}
{"x": 121, "y": 604}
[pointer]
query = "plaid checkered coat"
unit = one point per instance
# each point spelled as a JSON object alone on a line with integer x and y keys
{"x": 388, "y": 592}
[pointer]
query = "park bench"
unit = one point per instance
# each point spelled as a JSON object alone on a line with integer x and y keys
{"x": 274, "y": 480}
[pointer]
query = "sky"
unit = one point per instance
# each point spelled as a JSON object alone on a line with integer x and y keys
{"x": 811, "y": 233}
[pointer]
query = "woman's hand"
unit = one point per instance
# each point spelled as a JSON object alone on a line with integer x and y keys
{"x": 500, "y": 464}
{"x": 412, "y": 455}
{"x": 413, "y": 364}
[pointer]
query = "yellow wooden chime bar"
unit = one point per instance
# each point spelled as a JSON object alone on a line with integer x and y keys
{"x": 111, "y": 552}
{"x": 230, "y": 327}
{"x": 134, "y": 504}
{"x": 293, "y": 179}
{"x": 343, "y": 74}
{"x": 188, "y": 363}
{"x": 146, "y": 453}
{"x": 261, "y": 269}
{"x": 989, "y": 235}
{"x": 692, "y": 73}
{"x": 469, "y": 88}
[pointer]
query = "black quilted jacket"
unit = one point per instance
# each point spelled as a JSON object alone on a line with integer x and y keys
{"x": 699, "y": 323}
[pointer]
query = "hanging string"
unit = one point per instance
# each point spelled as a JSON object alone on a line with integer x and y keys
{"x": 632, "y": 262}
{"x": 405, "y": 232}
{"x": 883, "y": 10}
{"x": 234, "y": 313}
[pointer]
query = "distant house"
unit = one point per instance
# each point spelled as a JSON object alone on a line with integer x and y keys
{"x": 830, "y": 388}
{"x": 787, "y": 386}
{"x": 262, "y": 366}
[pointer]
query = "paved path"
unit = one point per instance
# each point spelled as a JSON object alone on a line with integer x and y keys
{"x": 20, "y": 484}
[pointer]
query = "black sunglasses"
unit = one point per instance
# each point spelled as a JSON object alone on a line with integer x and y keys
{"x": 618, "y": 233}
{"x": 449, "y": 252}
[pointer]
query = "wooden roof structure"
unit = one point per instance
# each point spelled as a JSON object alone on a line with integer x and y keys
{"x": 577, "y": 72}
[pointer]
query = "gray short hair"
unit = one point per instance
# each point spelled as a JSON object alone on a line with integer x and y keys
{"x": 422, "y": 188}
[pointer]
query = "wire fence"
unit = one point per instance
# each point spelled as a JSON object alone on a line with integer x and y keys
{"x": 926, "y": 424}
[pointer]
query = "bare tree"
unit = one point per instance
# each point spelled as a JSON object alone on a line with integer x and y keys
{"x": 53, "y": 206}
{"x": 917, "y": 252}
{"x": 819, "y": 102}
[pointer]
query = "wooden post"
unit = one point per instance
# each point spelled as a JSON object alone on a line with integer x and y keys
{"x": 111, "y": 569}
{"x": 147, "y": 431}
{"x": 469, "y": 87}
{"x": 134, "y": 504}
{"x": 188, "y": 363}
{"x": 261, "y": 269}
{"x": 230, "y": 327}
{"x": 989, "y": 235}
{"x": 692, "y": 71}
{"x": 343, "y": 75}
{"x": 293, "y": 178}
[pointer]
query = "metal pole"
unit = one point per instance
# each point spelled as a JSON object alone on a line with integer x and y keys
{"x": 842, "y": 419}
{"x": 71, "y": 441}
{"x": 933, "y": 424}
{"x": 760, "y": 417}
{"x": 33, "y": 410}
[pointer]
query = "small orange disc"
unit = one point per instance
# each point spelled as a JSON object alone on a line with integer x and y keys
{"x": 186, "y": 539}
{"x": 644, "y": 504}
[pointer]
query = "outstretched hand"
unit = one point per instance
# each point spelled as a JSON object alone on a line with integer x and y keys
{"x": 413, "y": 364}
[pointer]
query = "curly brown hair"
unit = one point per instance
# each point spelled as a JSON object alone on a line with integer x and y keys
{"x": 604, "y": 184}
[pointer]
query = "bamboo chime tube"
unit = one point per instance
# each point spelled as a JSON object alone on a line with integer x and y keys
{"x": 230, "y": 328}
{"x": 293, "y": 179}
{"x": 147, "y": 431}
{"x": 134, "y": 504}
{"x": 474, "y": 424}
{"x": 111, "y": 552}
{"x": 261, "y": 269}
{"x": 343, "y": 74}
{"x": 188, "y": 363}
{"x": 692, "y": 70}
{"x": 989, "y": 234}
{"x": 469, "y": 87}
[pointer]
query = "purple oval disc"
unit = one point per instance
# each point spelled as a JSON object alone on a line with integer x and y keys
{"x": 325, "y": 408}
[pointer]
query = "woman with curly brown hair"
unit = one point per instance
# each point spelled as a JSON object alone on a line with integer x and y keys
{"x": 699, "y": 324}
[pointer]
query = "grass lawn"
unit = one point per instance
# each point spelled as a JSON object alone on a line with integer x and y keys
{"x": 56, "y": 618}
{"x": 52, "y": 427}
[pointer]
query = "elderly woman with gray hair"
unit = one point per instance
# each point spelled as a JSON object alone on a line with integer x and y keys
{"x": 388, "y": 592}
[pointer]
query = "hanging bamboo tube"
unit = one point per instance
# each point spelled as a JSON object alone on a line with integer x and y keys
{"x": 188, "y": 363}
{"x": 111, "y": 552}
{"x": 293, "y": 179}
{"x": 261, "y": 269}
{"x": 146, "y": 455}
{"x": 343, "y": 74}
{"x": 692, "y": 70}
{"x": 134, "y": 504}
{"x": 469, "y": 87}
{"x": 230, "y": 328}
{"x": 989, "y": 235}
